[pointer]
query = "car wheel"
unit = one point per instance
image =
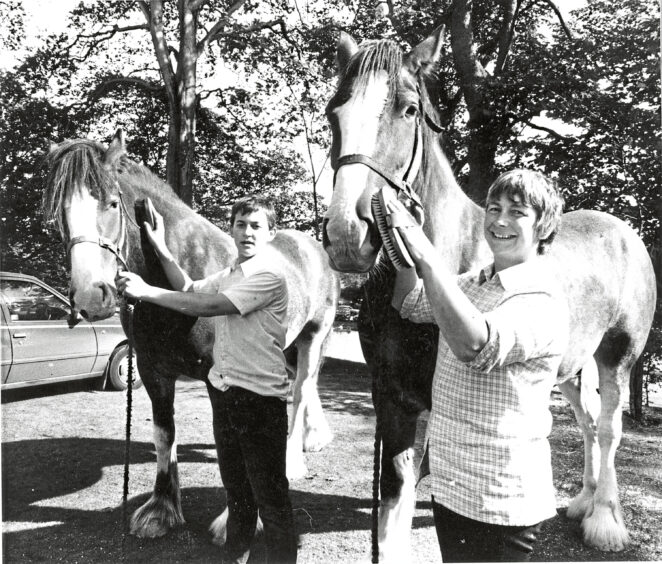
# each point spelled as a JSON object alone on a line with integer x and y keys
{"x": 118, "y": 369}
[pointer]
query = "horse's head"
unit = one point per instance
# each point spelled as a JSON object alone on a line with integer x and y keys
{"x": 378, "y": 119}
{"x": 83, "y": 199}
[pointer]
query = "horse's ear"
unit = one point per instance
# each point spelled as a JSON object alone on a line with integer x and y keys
{"x": 116, "y": 149}
{"x": 346, "y": 49}
{"x": 427, "y": 53}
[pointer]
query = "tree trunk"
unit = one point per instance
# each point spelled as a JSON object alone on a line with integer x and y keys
{"x": 180, "y": 85}
{"x": 480, "y": 155}
{"x": 186, "y": 87}
{"x": 475, "y": 88}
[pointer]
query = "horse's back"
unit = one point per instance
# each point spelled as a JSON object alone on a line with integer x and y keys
{"x": 201, "y": 247}
{"x": 608, "y": 279}
{"x": 313, "y": 287}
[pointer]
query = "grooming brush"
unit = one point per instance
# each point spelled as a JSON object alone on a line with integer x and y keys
{"x": 395, "y": 247}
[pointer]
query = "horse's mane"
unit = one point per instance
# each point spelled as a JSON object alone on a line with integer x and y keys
{"x": 78, "y": 162}
{"x": 372, "y": 57}
{"x": 72, "y": 164}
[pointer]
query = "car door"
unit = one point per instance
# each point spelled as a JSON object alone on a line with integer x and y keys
{"x": 43, "y": 343}
{"x": 5, "y": 343}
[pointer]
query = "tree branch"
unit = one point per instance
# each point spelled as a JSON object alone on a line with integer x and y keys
{"x": 144, "y": 8}
{"x": 559, "y": 15}
{"x": 100, "y": 37}
{"x": 162, "y": 52}
{"x": 553, "y": 133}
{"x": 470, "y": 71}
{"x": 396, "y": 23}
{"x": 218, "y": 26}
{"x": 507, "y": 32}
{"x": 112, "y": 83}
{"x": 195, "y": 5}
{"x": 279, "y": 23}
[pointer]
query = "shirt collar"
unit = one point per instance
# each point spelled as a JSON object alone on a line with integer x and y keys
{"x": 515, "y": 277}
{"x": 252, "y": 265}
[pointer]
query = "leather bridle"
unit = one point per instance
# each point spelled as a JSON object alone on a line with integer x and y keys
{"x": 114, "y": 247}
{"x": 399, "y": 184}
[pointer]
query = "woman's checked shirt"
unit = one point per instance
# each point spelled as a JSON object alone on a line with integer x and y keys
{"x": 488, "y": 429}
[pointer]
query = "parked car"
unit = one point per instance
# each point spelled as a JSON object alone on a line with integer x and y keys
{"x": 43, "y": 343}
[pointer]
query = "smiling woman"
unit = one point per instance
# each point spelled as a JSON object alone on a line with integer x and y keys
{"x": 521, "y": 222}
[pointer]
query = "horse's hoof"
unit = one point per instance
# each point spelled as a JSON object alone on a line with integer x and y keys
{"x": 296, "y": 467}
{"x": 605, "y": 530}
{"x": 316, "y": 439}
{"x": 218, "y": 528}
{"x": 151, "y": 529}
{"x": 581, "y": 505}
{"x": 156, "y": 517}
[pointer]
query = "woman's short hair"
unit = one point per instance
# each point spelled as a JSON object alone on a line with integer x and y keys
{"x": 251, "y": 204}
{"x": 539, "y": 192}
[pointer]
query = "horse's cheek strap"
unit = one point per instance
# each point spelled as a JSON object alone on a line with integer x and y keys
{"x": 102, "y": 242}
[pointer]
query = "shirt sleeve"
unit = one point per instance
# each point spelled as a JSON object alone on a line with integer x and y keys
{"x": 208, "y": 285}
{"x": 257, "y": 291}
{"x": 523, "y": 327}
{"x": 416, "y": 306}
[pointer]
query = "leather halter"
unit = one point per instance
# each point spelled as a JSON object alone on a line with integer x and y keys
{"x": 104, "y": 242}
{"x": 400, "y": 185}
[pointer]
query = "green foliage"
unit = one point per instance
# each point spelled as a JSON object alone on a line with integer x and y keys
{"x": 12, "y": 30}
{"x": 606, "y": 85}
{"x": 261, "y": 98}
{"x": 75, "y": 86}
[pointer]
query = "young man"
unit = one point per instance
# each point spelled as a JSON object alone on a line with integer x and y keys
{"x": 503, "y": 331}
{"x": 248, "y": 382}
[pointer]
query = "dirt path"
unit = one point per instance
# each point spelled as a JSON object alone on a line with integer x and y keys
{"x": 62, "y": 462}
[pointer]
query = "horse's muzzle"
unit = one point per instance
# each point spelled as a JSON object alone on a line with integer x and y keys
{"x": 93, "y": 302}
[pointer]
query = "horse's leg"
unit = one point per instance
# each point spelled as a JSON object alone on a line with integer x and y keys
{"x": 398, "y": 482}
{"x": 163, "y": 510}
{"x": 316, "y": 431}
{"x": 308, "y": 427}
{"x": 585, "y": 402}
{"x": 603, "y": 524}
{"x": 219, "y": 528}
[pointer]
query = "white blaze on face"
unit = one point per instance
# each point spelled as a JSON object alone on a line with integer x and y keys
{"x": 358, "y": 121}
{"x": 81, "y": 218}
{"x": 349, "y": 246}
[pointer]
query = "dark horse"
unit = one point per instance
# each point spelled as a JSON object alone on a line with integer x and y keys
{"x": 93, "y": 195}
{"x": 384, "y": 133}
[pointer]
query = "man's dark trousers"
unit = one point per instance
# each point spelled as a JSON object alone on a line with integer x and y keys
{"x": 250, "y": 431}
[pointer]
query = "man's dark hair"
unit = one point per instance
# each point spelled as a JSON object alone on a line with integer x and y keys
{"x": 251, "y": 204}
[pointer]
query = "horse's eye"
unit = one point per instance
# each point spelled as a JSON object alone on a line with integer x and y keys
{"x": 411, "y": 111}
{"x": 114, "y": 204}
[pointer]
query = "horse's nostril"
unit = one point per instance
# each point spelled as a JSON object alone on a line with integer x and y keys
{"x": 106, "y": 293}
{"x": 84, "y": 314}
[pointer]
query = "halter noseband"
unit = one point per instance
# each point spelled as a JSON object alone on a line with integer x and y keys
{"x": 400, "y": 185}
{"x": 114, "y": 247}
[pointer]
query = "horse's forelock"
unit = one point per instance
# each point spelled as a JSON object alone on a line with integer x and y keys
{"x": 72, "y": 165}
{"x": 372, "y": 57}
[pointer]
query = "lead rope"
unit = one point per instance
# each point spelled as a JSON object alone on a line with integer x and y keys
{"x": 375, "y": 495}
{"x": 129, "y": 407}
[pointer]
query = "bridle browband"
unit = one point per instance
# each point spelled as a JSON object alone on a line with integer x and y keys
{"x": 400, "y": 185}
{"x": 114, "y": 247}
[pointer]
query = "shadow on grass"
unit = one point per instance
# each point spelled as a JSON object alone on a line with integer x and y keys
{"x": 41, "y": 524}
